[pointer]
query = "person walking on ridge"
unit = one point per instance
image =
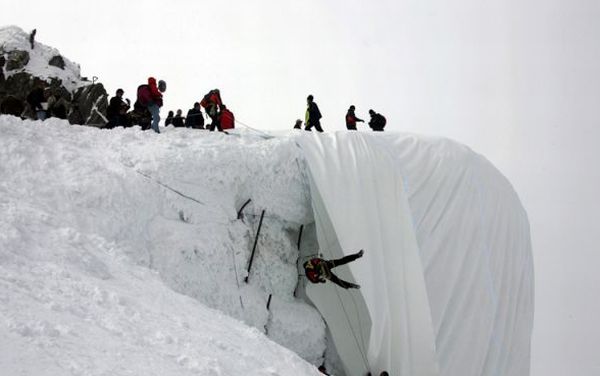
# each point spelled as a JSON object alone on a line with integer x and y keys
{"x": 318, "y": 270}
{"x": 150, "y": 96}
{"x": 313, "y": 115}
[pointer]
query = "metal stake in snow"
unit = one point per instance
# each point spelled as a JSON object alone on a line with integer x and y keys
{"x": 262, "y": 215}
{"x": 300, "y": 236}
{"x": 239, "y": 214}
{"x": 298, "y": 244}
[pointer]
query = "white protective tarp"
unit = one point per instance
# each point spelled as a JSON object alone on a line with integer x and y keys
{"x": 447, "y": 276}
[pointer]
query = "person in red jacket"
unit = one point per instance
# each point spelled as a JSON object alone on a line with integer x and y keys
{"x": 351, "y": 119}
{"x": 212, "y": 105}
{"x": 226, "y": 118}
{"x": 154, "y": 100}
{"x": 318, "y": 270}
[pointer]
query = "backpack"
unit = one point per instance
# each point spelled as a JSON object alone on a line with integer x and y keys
{"x": 144, "y": 96}
{"x": 383, "y": 121}
{"x": 208, "y": 98}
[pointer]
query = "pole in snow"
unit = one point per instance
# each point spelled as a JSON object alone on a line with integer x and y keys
{"x": 262, "y": 215}
{"x": 300, "y": 236}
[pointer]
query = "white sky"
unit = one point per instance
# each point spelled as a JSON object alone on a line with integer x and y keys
{"x": 516, "y": 80}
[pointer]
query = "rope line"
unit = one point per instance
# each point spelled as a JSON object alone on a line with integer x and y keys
{"x": 169, "y": 188}
{"x": 266, "y": 135}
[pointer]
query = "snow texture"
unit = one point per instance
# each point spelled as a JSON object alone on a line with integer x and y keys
{"x": 121, "y": 253}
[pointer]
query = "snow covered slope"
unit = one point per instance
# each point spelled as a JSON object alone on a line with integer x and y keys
{"x": 447, "y": 277}
{"x": 115, "y": 243}
{"x": 121, "y": 252}
{"x": 14, "y": 38}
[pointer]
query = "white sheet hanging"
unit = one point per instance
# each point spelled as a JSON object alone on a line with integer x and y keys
{"x": 447, "y": 277}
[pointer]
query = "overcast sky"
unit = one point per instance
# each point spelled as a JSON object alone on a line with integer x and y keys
{"x": 517, "y": 80}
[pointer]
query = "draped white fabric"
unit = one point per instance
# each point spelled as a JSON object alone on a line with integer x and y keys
{"x": 447, "y": 276}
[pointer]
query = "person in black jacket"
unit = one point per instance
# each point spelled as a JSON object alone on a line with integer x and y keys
{"x": 116, "y": 110}
{"x": 377, "y": 122}
{"x": 313, "y": 115}
{"x": 35, "y": 98}
{"x": 169, "y": 119}
{"x": 351, "y": 119}
{"x": 178, "y": 120}
{"x": 194, "y": 118}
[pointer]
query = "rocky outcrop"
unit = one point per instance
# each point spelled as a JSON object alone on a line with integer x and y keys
{"x": 16, "y": 59}
{"x": 57, "y": 61}
{"x": 67, "y": 95}
{"x": 90, "y": 103}
{"x": 87, "y": 105}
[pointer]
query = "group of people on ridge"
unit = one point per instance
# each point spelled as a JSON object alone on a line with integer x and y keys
{"x": 44, "y": 102}
{"x": 313, "y": 118}
{"x": 146, "y": 110}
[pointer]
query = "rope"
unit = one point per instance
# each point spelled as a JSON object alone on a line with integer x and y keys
{"x": 266, "y": 135}
{"x": 169, "y": 188}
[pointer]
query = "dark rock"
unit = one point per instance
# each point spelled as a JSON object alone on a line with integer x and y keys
{"x": 57, "y": 61}
{"x": 2, "y": 62}
{"x": 90, "y": 102}
{"x": 18, "y": 85}
{"x": 17, "y": 59}
{"x": 12, "y": 106}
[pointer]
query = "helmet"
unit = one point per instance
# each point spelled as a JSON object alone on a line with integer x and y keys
{"x": 162, "y": 86}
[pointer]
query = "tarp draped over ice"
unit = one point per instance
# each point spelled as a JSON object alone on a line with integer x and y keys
{"x": 447, "y": 277}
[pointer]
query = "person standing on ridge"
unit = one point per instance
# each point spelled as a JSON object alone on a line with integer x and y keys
{"x": 351, "y": 119}
{"x": 178, "y": 120}
{"x": 313, "y": 115}
{"x": 116, "y": 110}
{"x": 150, "y": 96}
{"x": 194, "y": 117}
{"x": 169, "y": 119}
{"x": 318, "y": 270}
{"x": 377, "y": 122}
